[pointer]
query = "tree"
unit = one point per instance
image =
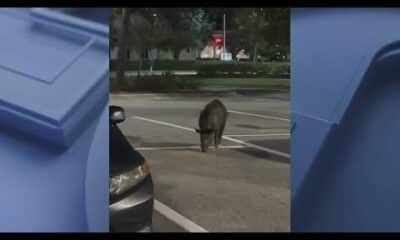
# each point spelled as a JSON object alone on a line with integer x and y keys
{"x": 261, "y": 28}
{"x": 184, "y": 26}
{"x": 279, "y": 30}
{"x": 148, "y": 32}
{"x": 122, "y": 45}
{"x": 172, "y": 29}
{"x": 137, "y": 29}
{"x": 252, "y": 24}
{"x": 115, "y": 26}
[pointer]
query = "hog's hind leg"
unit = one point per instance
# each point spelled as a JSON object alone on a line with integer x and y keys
{"x": 216, "y": 139}
{"x": 220, "y": 132}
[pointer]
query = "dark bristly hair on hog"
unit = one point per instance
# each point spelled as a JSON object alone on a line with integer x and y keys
{"x": 212, "y": 124}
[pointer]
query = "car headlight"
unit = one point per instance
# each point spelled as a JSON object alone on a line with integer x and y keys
{"x": 121, "y": 183}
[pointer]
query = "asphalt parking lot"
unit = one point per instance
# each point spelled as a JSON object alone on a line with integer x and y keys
{"x": 242, "y": 186}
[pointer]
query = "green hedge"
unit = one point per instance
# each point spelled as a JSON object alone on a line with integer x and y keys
{"x": 164, "y": 83}
{"x": 232, "y": 68}
{"x": 212, "y": 68}
{"x": 281, "y": 69}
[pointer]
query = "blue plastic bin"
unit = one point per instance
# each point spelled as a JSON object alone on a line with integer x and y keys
{"x": 345, "y": 119}
{"x": 54, "y": 70}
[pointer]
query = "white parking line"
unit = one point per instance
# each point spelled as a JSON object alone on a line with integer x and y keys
{"x": 163, "y": 123}
{"x": 260, "y": 116}
{"x": 258, "y": 135}
{"x": 265, "y": 149}
{"x": 177, "y": 218}
{"x": 182, "y": 148}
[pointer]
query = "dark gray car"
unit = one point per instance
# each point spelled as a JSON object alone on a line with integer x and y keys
{"x": 131, "y": 185}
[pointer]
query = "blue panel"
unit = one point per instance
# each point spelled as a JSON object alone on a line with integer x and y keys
{"x": 54, "y": 72}
{"x": 97, "y": 179}
{"x": 345, "y": 95}
{"x": 50, "y": 62}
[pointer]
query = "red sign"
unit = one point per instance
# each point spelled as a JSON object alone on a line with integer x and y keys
{"x": 218, "y": 39}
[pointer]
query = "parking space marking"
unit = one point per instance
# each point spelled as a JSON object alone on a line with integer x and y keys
{"x": 184, "y": 148}
{"x": 164, "y": 123}
{"x": 265, "y": 149}
{"x": 259, "y": 115}
{"x": 177, "y": 218}
{"x": 258, "y": 135}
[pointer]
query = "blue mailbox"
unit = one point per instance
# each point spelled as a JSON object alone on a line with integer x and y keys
{"x": 345, "y": 119}
{"x": 54, "y": 70}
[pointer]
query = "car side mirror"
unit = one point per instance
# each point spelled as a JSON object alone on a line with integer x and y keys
{"x": 117, "y": 114}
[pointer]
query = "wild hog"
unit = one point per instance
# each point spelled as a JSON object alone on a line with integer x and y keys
{"x": 212, "y": 124}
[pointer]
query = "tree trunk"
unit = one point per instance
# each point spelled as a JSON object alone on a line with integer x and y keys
{"x": 255, "y": 53}
{"x": 151, "y": 66}
{"x": 213, "y": 55}
{"x": 176, "y": 54}
{"x": 122, "y": 48}
{"x": 154, "y": 58}
{"x": 139, "y": 72}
